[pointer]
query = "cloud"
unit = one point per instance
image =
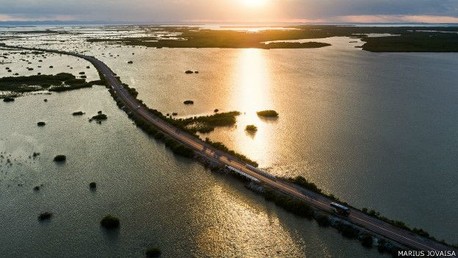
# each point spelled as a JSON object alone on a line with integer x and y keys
{"x": 225, "y": 10}
{"x": 333, "y": 8}
{"x": 394, "y": 19}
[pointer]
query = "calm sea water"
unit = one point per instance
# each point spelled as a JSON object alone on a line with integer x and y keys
{"x": 377, "y": 130}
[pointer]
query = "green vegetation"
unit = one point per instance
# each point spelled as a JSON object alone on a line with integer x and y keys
{"x": 301, "y": 181}
{"x": 179, "y": 123}
{"x": 289, "y": 203}
{"x": 175, "y": 146}
{"x": 188, "y": 102}
{"x": 401, "y": 224}
{"x": 41, "y": 123}
{"x": 97, "y": 82}
{"x": 78, "y": 113}
{"x": 296, "y": 45}
{"x": 345, "y": 228}
{"x": 132, "y": 91}
{"x": 47, "y": 31}
{"x": 406, "y": 39}
{"x": 202, "y": 38}
{"x": 8, "y": 99}
{"x": 92, "y": 185}
{"x": 251, "y": 128}
{"x": 45, "y": 216}
{"x": 267, "y": 113}
{"x": 205, "y": 124}
{"x": 153, "y": 252}
{"x": 60, "y": 158}
{"x": 99, "y": 117}
{"x": 222, "y": 147}
{"x": 348, "y": 231}
{"x": 414, "y": 42}
{"x": 322, "y": 219}
{"x": 366, "y": 240}
{"x": 110, "y": 222}
{"x": 58, "y": 83}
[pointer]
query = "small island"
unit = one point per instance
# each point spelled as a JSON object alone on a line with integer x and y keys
{"x": 8, "y": 99}
{"x": 400, "y": 39}
{"x": 44, "y": 216}
{"x": 251, "y": 128}
{"x": 296, "y": 45}
{"x": 93, "y": 186}
{"x": 206, "y": 124}
{"x": 78, "y": 113}
{"x": 99, "y": 117}
{"x": 153, "y": 252}
{"x": 57, "y": 83}
{"x": 60, "y": 158}
{"x": 267, "y": 113}
{"x": 205, "y": 38}
{"x": 110, "y": 222}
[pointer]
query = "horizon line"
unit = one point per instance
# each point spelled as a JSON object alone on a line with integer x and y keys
{"x": 77, "y": 22}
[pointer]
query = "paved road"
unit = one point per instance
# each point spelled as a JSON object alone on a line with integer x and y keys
{"x": 316, "y": 200}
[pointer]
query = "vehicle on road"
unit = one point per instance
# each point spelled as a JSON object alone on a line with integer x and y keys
{"x": 340, "y": 209}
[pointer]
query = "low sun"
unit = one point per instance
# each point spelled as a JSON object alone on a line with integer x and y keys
{"x": 254, "y": 3}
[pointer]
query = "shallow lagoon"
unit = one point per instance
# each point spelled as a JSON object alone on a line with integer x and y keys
{"x": 377, "y": 130}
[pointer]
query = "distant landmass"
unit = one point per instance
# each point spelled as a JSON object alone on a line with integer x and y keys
{"x": 54, "y": 23}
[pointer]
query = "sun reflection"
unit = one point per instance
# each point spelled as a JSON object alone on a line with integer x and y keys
{"x": 253, "y": 81}
{"x": 252, "y": 93}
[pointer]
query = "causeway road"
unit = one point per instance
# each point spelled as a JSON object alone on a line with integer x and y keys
{"x": 315, "y": 200}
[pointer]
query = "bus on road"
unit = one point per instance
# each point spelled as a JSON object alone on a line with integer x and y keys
{"x": 340, "y": 209}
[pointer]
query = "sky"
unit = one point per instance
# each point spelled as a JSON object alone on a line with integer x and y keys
{"x": 232, "y": 11}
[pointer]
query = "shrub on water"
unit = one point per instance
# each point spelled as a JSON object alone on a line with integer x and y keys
{"x": 110, "y": 222}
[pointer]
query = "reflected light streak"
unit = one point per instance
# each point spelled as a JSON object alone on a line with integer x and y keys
{"x": 253, "y": 82}
{"x": 252, "y": 94}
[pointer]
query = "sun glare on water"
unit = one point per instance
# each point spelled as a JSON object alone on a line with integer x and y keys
{"x": 254, "y": 3}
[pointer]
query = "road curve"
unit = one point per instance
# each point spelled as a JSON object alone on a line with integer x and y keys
{"x": 315, "y": 200}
